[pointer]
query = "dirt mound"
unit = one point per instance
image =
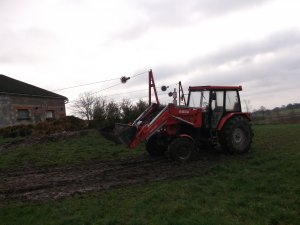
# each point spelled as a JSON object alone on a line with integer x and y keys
{"x": 59, "y": 182}
{"x": 68, "y": 123}
{"x": 33, "y": 140}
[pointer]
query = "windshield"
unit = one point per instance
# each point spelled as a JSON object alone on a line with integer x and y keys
{"x": 199, "y": 99}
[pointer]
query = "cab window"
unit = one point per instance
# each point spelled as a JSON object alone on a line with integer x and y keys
{"x": 199, "y": 99}
{"x": 232, "y": 101}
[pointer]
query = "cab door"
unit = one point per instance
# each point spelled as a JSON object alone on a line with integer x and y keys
{"x": 232, "y": 101}
{"x": 216, "y": 107}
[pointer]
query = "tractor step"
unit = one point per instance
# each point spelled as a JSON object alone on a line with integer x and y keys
{"x": 214, "y": 139}
{"x": 119, "y": 133}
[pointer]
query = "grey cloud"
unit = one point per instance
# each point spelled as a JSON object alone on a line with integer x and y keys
{"x": 174, "y": 11}
{"x": 242, "y": 53}
{"x": 281, "y": 70}
{"x": 245, "y": 51}
{"x": 24, "y": 46}
{"x": 131, "y": 33}
{"x": 220, "y": 7}
{"x": 275, "y": 76}
{"x": 263, "y": 83}
{"x": 177, "y": 13}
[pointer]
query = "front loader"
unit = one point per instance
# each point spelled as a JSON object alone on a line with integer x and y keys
{"x": 212, "y": 116}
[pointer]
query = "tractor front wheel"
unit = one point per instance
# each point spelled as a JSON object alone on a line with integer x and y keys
{"x": 181, "y": 149}
{"x": 236, "y": 136}
{"x": 156, "y": 145}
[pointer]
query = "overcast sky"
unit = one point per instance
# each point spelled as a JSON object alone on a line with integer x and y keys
{"x": 55, "y": 44}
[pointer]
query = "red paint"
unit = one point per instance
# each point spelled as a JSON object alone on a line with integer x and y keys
{"x": 230, "y": 115}
{"x": 205, "y": 88}
{"x": 169, "y": 119}
{"x": 181, "y": 94}
{"x": 152, "y": 85}
{"x": 186, "y": 136}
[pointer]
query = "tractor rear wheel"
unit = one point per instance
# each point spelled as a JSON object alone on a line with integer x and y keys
{"x": 181, "y": 149}
{"x": 156, "y": 145}
{"x": 236, "y": 136}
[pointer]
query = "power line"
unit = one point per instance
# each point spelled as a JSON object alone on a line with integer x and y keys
{"x": 139, "y": 74}
{"x": 112, "y": 87}
{"x": 159, "y": 94}
{"x": 164, "y": 95}
{"x": 101, "y": 81}
{"x": 140, "y": 90}
{"x": 107, "y": 88}
{"x": 127, "y": 92}
{"x": 100, "y": 90}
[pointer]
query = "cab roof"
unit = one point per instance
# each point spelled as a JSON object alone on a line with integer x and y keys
{"x": 215, "y": 88}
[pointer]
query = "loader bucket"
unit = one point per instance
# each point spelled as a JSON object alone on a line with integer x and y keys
{"x": 119, "y": 133}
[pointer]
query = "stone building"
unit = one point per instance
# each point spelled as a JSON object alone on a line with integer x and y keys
{"x": 22, "y": 103}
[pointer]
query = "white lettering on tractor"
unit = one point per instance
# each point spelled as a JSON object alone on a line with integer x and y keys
{"x": 184, "y": 111}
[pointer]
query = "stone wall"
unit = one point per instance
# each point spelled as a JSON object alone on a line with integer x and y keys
{"x": 5, "y": 111}
{"x": 38, "y": 109}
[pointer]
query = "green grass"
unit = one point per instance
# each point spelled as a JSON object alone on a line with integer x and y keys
{"x": 4, "y": 141}
{"x": 262, "y": 187}
{"x": 82, "y": 149}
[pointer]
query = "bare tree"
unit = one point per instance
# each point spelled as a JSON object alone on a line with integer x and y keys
{"x": 100, "y": 112}
{"x": 248, "y": 105}
{"x": 84, "y": 105}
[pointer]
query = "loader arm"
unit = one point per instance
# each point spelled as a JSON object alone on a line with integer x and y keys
{"x": 168, "y": 116}
{"x": 148, "y": 129}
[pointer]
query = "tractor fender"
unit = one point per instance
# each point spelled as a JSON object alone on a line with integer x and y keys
{"x": 229, "y": 116}
{"x": 186, "y": 136}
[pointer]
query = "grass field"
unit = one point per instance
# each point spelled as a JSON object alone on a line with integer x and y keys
{"x": 261, "y": 187}
{"x": 289, "y": 116}
{"x": 82, "y": 149}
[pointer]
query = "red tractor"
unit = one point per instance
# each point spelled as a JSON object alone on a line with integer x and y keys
{"x": 212, "y": 116}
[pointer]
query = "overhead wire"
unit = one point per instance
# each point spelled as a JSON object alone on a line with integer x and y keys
{"x": 136, "y": 75}
{"x": 108, "y": 86}
{"x": 133, "y": 76}
{"x": 142, "y": 97}
{"x": 102, "y": 81}
{"x": 101, "y": 90}
{"x": 159, "y": 93}
{"x": 127, "y": 92}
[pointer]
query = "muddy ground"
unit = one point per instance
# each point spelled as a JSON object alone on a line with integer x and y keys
{"x": 29, "y": 184}
{"x": 41, "y": 184}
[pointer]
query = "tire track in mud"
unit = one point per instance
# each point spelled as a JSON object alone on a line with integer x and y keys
{"x": 59, "y": 182}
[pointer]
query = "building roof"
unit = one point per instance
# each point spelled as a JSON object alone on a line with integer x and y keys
{"x": 15, "y": 87}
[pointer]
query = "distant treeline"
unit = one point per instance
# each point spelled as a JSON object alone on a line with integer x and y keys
{"x": 263, "y": 110}
{"x": 285, "y": 114}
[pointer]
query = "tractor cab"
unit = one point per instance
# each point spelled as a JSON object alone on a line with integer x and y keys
{"x": 215, "y": 101}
